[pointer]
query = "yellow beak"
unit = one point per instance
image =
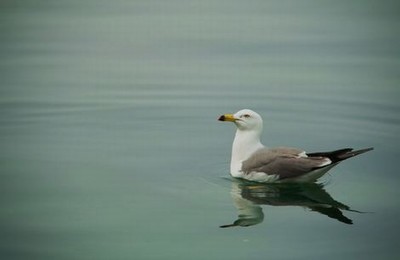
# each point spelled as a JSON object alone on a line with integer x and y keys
{"x": 227, "y": 117}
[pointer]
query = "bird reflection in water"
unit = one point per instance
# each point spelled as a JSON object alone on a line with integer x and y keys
{"x": 248, "y": 196}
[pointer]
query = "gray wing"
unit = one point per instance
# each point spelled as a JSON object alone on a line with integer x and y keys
{"x": 284, "y": 162}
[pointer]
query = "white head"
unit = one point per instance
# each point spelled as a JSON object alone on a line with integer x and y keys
{"x": 245, "y": 120}
{"x": 247, "y": 138}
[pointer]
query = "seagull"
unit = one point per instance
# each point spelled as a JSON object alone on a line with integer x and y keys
{"x": 251, "y": 160}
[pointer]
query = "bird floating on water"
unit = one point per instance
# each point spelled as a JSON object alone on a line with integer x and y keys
{"x": 253, "y": 161}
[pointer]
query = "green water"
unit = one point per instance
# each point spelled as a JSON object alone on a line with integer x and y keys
{"x": 110, "y": 147}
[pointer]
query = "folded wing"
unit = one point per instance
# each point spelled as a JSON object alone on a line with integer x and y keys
{"x": 284, "y": 162}
{"x": 292, "y": 163}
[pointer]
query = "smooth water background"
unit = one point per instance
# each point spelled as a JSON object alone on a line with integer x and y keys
{"x": 110, "y": 148}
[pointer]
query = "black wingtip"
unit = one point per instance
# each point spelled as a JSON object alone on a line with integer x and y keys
{"x": 354, "y": 153}
{"x": 367, "y": 149}
{"x": 340, "y": 155}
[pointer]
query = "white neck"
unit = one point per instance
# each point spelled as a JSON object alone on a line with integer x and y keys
{"x": 246, "y": 142}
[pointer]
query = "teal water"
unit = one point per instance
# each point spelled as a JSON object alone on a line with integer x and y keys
{"x": 111, "y": 148}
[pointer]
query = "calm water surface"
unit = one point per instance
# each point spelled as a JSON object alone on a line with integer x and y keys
{"x": 110, "y": 147}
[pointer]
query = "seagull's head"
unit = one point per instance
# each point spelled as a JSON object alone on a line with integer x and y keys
{"x": 245, "y": 119}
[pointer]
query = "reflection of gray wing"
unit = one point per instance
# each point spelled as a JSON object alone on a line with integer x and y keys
{"x": 309, "y": 195}
{"x": 285, "y": 162}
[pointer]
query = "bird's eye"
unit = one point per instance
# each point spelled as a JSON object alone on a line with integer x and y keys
{"x": 246, "y": 115}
